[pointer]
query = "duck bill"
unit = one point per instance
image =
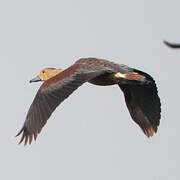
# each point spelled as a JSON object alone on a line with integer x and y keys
{"x": 36, "y": 79}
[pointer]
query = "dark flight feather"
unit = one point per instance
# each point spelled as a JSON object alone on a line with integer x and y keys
{"x": 143, "y": 104}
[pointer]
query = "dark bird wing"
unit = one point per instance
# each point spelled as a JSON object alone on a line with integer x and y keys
{"x": 143, "y": 104}
{"x": 172, "y": 45}
{"x": 52, "y": 92}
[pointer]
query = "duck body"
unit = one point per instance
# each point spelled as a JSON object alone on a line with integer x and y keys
{"x": 139, "y": 90}
{"x": 104, "y": 80}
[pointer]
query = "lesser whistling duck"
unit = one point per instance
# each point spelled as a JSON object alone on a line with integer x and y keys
{"x": 172, "y": 45}
{"x": 139, "y": 89}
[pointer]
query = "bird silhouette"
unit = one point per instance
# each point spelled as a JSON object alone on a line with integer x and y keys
{"x": 172, "y": 45}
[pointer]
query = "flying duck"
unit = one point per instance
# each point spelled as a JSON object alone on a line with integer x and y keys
{"x": 139, "y": 90}
{"x": 172, "y": 45}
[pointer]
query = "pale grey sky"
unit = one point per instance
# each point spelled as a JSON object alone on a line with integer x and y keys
{"x": 91, "y": 135}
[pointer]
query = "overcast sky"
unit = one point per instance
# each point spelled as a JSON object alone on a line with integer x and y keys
{"x": 91, "y": 135}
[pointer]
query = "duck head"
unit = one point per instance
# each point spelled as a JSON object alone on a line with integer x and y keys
{"x": 46, "y": 74}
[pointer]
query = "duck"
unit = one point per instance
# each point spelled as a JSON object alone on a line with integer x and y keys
{"x": 172, "y": 45}
{"x": 139, "y": 88}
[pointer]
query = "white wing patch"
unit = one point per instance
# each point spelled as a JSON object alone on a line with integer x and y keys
{"x": 133, "y": 76}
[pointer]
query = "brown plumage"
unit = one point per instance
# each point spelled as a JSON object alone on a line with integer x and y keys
{"x": 172, "y": 45}
{"x": 138, "y": 87}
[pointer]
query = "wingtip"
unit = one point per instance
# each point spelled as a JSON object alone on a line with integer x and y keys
{"x": 167, "y": 43}
{"x": 22, "y": 129}
{"x": 26, "y": 137}
{"x": 23, "y": 135}
{"x": 150, "y": 132}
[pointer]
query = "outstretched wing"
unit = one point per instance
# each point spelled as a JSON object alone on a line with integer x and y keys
{"x": 172, "y": 45}
{"x": 52, "y": 92}
{"x": 143, "y": 104}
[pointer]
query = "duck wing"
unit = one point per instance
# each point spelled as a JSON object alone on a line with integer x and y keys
{"x": 54, "y": 91}
{"x": 143, "y": 103}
